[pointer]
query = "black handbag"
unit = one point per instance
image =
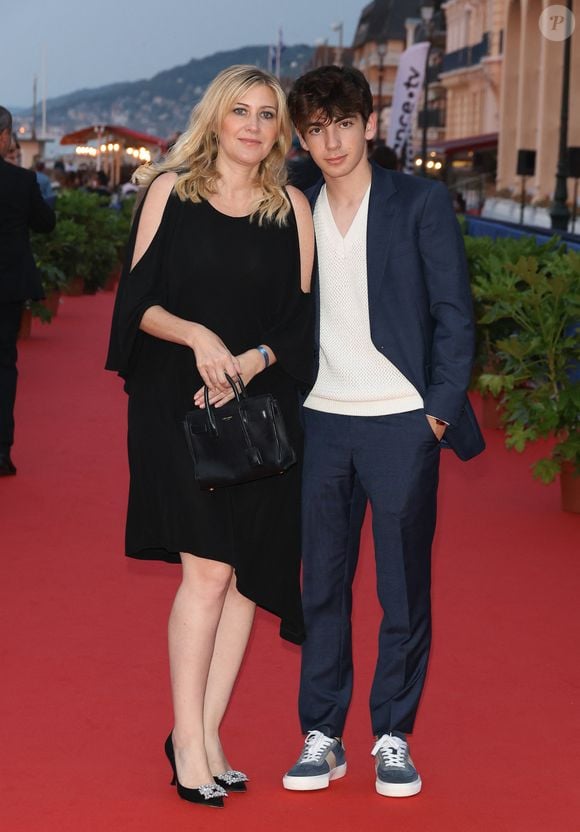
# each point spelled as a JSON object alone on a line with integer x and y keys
{"x": 244, "y": 440}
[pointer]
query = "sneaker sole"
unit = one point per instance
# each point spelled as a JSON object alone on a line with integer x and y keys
{"x": 310, "y": 784}
{"x": 398, "y": 789}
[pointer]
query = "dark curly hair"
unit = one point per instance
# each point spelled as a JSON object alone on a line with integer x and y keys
{"x": 334, "y": 92}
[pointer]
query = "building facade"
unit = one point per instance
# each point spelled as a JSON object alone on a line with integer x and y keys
{"x": 531, "y": 95}
{"x": 471, "y": 76}
{"x": 471, "y": 71}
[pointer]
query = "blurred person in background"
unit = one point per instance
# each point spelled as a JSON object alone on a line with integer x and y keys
{"x": 22, "y": 209}
{"x": 459, "y": 203}
{"x": 45, "y": 184}
{"x": 385, "y": 157}
{"x": 99, "y": 183}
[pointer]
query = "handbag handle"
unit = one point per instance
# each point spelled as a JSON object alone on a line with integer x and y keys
{"x": 241, "y": 394}
{"x": 233, "y": 383}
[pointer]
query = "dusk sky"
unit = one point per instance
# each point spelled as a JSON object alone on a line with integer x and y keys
{"x": 88, "y": 45}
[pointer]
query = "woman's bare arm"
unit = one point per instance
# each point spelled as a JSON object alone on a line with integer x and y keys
{"x": 305, "y": 225}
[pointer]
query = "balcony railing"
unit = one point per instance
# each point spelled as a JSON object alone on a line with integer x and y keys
{"x": 467, "y": 56}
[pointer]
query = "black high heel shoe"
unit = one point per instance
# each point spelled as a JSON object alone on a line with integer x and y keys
{"x": 232, "y": 781}
{"x": 210, "y": 794}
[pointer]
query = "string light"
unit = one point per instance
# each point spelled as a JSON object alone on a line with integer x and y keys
{"x": 140, "y": 154}
{"x": 85, "y": 150}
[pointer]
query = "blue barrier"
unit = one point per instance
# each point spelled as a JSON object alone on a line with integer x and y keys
{"x": 480, "y": 227}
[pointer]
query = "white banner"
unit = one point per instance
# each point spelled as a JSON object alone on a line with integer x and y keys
{"x": 407, "y": 95}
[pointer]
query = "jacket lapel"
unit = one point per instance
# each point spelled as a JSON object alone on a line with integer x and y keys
{"x": 383, "y": 204}
{"x": 312, "y": 193}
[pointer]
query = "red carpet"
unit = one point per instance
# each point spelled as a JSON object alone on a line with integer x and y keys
{"x": 85, "y": 699}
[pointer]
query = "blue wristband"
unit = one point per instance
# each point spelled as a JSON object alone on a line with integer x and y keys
{"x": 264, "y": 353}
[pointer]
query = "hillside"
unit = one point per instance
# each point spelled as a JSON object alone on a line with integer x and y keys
{"x": 159, "y": 105}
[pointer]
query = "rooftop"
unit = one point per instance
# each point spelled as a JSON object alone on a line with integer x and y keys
{"x": 384, "y": 20}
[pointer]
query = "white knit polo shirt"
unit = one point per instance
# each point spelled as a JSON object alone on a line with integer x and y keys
{"x": 354, "y": 378}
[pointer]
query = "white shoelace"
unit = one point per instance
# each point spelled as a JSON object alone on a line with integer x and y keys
{"x": 393, "y": 751}
{"x": 315, "y": 747}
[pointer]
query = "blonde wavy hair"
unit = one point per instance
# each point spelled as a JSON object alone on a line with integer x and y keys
{"x": 193, "y": 156}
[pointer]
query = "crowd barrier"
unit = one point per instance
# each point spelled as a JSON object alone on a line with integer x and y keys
{"x": 480, "y": 227}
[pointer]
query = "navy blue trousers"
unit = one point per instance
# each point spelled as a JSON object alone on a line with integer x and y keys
{"x": 10, "y": 317}
{"x": 393, "y": 462}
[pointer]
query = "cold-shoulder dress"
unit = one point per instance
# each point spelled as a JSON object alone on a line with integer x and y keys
{"x": 241, "y": 280}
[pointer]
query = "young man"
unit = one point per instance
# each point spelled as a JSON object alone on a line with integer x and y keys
{"x": 395, "y": 341}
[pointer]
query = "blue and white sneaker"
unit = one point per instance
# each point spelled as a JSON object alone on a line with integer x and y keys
{"x": 396, "y": 774}
{"x": 322, "y": 760}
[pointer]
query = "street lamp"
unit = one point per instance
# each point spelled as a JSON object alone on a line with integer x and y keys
{"x": 559, "y": 213}
{"x": 339, "y": 27}
{"x": 427, "y": 17}
{"x": 381, "y": 49}
{"x": 427, "y": 12}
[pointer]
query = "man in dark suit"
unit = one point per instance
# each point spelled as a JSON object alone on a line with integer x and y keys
{"x": 21, "y": 208}
{"x": 395, "y": 342}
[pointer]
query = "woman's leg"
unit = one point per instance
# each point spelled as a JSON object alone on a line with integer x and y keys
{"x": 193, "y": 625}
{"x": 230, "y": 645}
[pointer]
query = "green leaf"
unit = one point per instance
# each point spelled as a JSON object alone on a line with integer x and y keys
{"x": 517, "y": 437}
{"x": 494, "y": 384}
{"x": 546, "y": 470}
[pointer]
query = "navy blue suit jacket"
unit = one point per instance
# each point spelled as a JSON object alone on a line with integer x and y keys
{"x": 420, "y": 306}
{"x": 21, "y": 208}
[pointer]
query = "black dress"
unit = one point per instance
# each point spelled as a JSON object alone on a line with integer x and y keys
{"x": 242, "y": 281}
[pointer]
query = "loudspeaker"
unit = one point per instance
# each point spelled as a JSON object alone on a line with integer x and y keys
{"x": 574, "y": 162}
{"x": 526, "y": 163}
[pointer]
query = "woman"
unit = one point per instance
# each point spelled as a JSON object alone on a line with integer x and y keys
{"x": 221, "y": 256}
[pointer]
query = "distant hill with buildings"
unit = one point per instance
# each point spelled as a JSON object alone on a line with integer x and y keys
{"x": 160, "y": 105}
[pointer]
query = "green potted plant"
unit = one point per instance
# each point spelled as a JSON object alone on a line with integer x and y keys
{"x": 96, "y": 253}
{"x": 100, "y": 250}
{"x": 536, "y": 371}
{"x": 489, "y": 264}
{"x": 53, "y": 280}
{"x": 81, "y": 253}
{"x": 50, "y": 252}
